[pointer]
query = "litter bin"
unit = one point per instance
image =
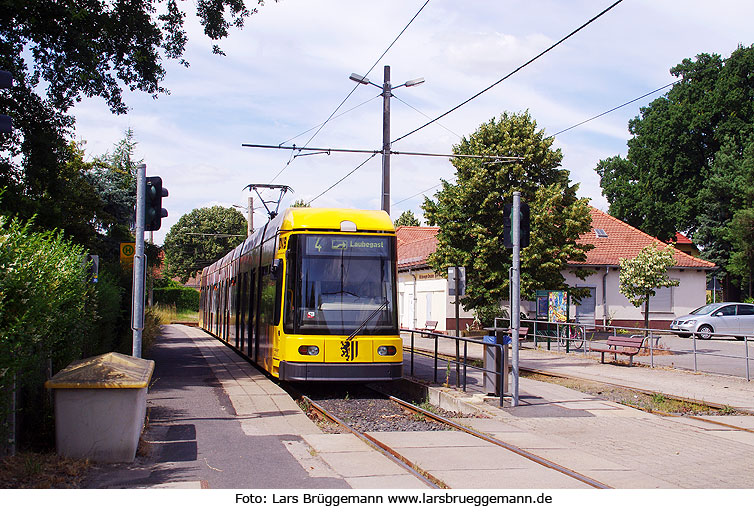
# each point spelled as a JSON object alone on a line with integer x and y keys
{"x": 100, "y": 405}
{"x": 492, "y": 363}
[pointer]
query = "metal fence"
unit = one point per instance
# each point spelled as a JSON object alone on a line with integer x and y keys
{"x": 724, "y": 353}
{"x": 462, "y": 361}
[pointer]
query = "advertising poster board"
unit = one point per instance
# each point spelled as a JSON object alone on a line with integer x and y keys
{"x": 558, "y": 306}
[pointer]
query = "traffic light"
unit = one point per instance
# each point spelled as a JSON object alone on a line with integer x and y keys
{"x": 524, "y": 225}
{"x": 6, "y": 81}
{"x": 153, "y": 210}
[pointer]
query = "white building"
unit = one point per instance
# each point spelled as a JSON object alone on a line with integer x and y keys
{"x": 422, "y": 293}
{"x": 613, "y": 239}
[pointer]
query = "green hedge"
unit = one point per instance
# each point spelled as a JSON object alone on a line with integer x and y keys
{"x": 182, "y": 297}
{"x": 47, "y": 310}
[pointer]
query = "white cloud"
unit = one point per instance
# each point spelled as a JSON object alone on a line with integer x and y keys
{"x": 288, "y": 70}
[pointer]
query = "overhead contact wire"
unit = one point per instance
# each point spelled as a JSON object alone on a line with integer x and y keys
{"x": 351, "y": 92}
{"x": 511, "y": 73}
{"x": 617, "y": 107}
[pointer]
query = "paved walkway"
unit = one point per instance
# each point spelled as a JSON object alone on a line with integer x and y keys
{"x": 217, "y": 422}
{"x": 614, "y": 444}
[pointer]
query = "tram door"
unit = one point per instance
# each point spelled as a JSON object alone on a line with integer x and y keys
{"x": 241, "y": 331}
{"x": 252, "y": 319}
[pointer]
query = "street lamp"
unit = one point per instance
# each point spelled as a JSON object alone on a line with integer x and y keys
{"x": 386, "y": 94}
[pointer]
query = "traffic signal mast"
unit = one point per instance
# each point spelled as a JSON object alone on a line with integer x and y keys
{"x": 149, "y": 214}
{"x": 153, "y": 210}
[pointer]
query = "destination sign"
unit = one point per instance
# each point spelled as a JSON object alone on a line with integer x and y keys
{"x": 330, "y": 245}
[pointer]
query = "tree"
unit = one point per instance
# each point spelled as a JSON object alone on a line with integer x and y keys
{"x": 407, "y": 218}
{"x": 200, "y": 238}
{"x": 59, "y": 52}
{"x": 741, "y": 232}
{"x": 640, "y": 277}
{"x": 470, "y": 212}
{"x": 690, "y": 158}
{"x": 300, "y": 203}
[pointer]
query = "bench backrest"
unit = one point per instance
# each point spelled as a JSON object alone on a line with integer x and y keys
{"x": 430, "y": 325}
{"x": 625, "y": 341}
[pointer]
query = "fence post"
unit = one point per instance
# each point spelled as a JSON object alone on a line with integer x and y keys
{"x": 435, "y": 358}
{"x": 465, "y": 359}
{"x": 412, "y": 353}
{"x": 458, "y": 363}
{"x": 694, "y": 337}
{"x": 746, "y": 357}
{"x": 651, "y": 350}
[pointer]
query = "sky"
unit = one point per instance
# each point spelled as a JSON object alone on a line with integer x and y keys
{"x": 288, "y": 70}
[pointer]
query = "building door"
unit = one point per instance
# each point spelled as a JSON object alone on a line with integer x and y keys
{"x": 409, "y": 313}
{"x": 585, "y": 308}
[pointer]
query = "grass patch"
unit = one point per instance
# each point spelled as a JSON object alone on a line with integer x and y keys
{"x": 42, "y": 471}
{"x": 168, "y": 314}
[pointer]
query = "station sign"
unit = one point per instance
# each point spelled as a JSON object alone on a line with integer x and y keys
{"x": 127, "y": 252}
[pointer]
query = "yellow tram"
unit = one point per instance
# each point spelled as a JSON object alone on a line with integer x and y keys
{"x": 311, "y": 296}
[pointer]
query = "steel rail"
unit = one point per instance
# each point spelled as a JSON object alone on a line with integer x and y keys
{"x": 515, "y": 449}
{"x": 426, "y": 477}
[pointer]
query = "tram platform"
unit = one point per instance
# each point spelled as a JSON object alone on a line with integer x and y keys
{"x": 217, "y": 422}
{"x": 716, "y": 390}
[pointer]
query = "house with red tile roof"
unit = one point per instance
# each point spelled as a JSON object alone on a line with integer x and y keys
{"x": 423, "y": 292}
{"x": 613, "y": 239}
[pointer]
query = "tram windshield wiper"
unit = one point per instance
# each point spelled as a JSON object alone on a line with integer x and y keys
{"x": 374, "y": 312}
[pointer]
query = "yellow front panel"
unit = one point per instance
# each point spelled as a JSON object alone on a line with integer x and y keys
{"x": 387, "y": 340}
{"x": 339, "y": 350}
{"x": 289, "y": 344}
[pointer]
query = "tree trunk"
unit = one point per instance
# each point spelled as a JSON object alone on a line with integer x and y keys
{"x": 646, "y": 315}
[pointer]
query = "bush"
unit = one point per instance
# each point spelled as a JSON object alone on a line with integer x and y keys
{"x": 107, "y": 316}
{"x": 46, "y": 312}
{"x": 486, "y": 315}
{"x": 182, "y": 298}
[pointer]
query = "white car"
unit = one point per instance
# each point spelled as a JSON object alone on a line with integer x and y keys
{"x": 730, "y": 319}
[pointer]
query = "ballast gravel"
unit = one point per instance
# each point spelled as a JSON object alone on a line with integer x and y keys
{"x": 379, "y": 415}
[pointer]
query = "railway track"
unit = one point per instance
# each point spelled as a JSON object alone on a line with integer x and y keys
{"x": 413, "y": 411}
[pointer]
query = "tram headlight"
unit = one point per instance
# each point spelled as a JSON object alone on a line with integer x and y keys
{"x": 386, "y": 351}
{"x": 308, "y": 350}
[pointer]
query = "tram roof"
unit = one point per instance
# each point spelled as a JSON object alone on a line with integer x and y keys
{"x": 333, "y": 219}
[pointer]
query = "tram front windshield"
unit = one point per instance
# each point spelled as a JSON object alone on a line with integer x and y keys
{"x": 335, "y": 283}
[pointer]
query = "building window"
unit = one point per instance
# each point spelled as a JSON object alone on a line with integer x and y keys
{"x": 662, "y": 301}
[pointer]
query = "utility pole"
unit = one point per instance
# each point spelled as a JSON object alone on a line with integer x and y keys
{"x": 386, "y": 94}
{"x": 137, "y": 308}
{"x": 251, "y": 216}
{"x": 387, "y": 90}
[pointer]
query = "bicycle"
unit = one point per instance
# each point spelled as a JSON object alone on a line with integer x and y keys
{"x": 572, "y": 335}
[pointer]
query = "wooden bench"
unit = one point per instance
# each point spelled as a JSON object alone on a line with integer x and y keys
{"x": 523, "y": 332}
{"x": 619, "y": 346}
{"x": 429, "y": 326}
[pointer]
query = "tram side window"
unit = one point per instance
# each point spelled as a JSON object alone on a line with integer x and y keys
{"x": 278, "y": 278}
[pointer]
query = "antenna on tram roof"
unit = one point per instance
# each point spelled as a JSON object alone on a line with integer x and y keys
{"x": 283, "y": 189}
